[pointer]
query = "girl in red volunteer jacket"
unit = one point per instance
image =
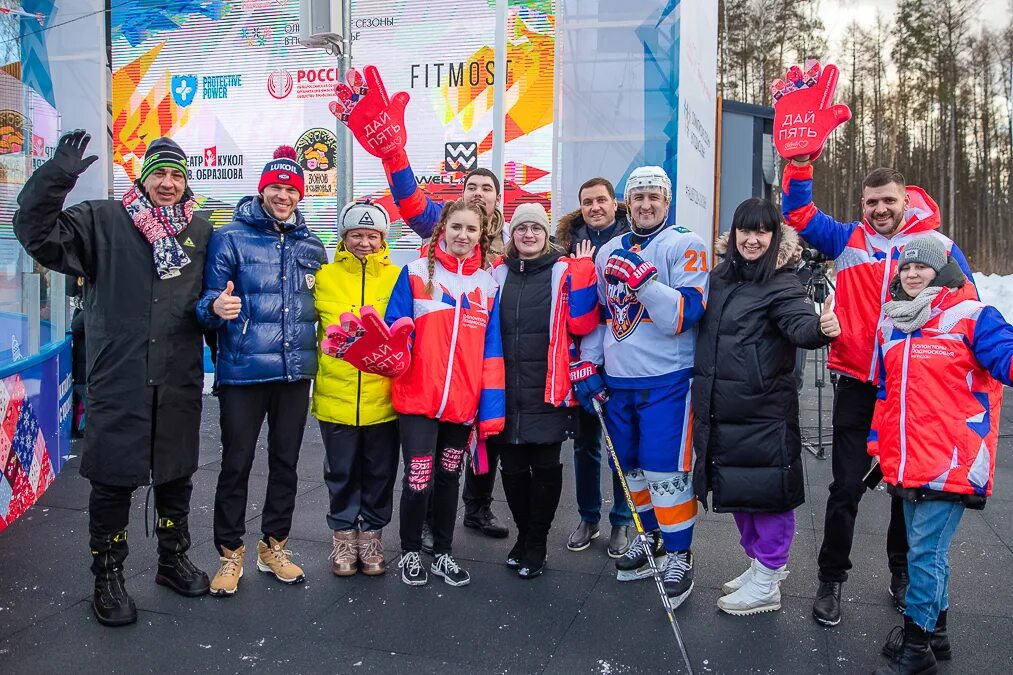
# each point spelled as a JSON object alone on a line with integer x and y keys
{"x": 943, "y": 359}
{"x": 455, "y": 380}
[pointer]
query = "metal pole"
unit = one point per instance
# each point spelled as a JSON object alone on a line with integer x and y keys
{"x": 499, "y": 90}
{"x": 343, "y": 158}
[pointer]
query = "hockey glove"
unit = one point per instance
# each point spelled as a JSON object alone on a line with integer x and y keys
{"x": 627, "y": 267}
{"x": 369, "y": 345}
{"x": 803, "y": 112}
{"x": 376, "y": 120}
{"x": 69, "y": 154}
{"x": 587, "y": 385}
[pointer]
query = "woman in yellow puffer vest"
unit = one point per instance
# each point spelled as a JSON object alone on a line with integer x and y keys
{"x": 357, "y": 421}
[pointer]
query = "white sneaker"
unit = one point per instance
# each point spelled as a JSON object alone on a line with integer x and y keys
{"x": 761, "y": 593}
{"x": 735, "y": 584}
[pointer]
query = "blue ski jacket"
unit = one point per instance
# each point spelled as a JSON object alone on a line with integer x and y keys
{"x": 273, "y": 267}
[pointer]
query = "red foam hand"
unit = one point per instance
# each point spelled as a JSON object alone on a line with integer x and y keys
{"x": 804, "y": 113}
{"x": 376, "y": 120}
{"x": 367, "y": 343}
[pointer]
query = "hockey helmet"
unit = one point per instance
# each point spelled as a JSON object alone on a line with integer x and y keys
{"x": 644, "y": 177}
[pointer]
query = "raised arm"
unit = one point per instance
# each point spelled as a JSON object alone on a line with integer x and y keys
{"x": 419, "y": 211}
{"x": 821, "y": 231}
{"x": 377, "y": 121}
{"x": 62, "y": 240}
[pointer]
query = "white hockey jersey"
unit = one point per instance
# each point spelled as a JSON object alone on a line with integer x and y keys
{"x": 647, "y": 338}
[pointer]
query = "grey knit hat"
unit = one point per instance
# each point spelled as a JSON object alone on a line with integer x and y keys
{"x": 529, "y": 212}
{"x": 925, "y": 249}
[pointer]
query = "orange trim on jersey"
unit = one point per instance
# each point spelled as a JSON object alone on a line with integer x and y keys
{"x": 673, "y": 515}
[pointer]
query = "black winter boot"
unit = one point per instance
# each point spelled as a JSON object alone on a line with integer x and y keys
{"x": 517, "y": 487}
{"x": 916, "y": 657}
{"x": 546, "y": 487}
{"x": 939, "y": 642}
{"x": 111, "y": 603}
{"x": 175, "y": 570}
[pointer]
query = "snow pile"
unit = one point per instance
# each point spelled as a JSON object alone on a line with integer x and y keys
{"x": 997, "y": 291}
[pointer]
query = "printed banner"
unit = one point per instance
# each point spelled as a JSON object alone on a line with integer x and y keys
{"x": 229, "y": 81}
{"x": 35, "y": 410}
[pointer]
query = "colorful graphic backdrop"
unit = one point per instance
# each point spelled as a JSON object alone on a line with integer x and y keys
{"x": 230, "y": 82}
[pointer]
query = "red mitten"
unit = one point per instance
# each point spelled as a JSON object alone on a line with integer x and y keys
{"x": 365, "y": 342}
{"x": 376, "y": 120}
{"x": 803, "y": 112}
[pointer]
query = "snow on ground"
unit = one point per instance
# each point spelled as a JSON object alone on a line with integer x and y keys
{"x": 997, "y": 291}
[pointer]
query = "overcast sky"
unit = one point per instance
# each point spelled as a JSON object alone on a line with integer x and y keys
{"x": 837, "y": 14}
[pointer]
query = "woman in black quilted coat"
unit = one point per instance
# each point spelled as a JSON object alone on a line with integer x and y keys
{"x": 745, "y": 403}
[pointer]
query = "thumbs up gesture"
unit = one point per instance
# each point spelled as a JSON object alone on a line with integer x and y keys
{"x": 829, "y": 325}
{"x": 227, "y": 306}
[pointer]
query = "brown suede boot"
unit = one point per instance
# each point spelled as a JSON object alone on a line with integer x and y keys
{"x": 344, "y": 556}
{"x": 371, "y": 552}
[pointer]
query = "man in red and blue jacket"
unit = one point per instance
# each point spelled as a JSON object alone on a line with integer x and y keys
{"x": 865, "y": 255}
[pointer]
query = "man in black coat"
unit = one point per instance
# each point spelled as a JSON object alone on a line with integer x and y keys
{"x": 142, "y": 259}
{"x": 599, "y": 219}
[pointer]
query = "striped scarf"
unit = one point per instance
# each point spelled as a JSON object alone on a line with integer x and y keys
{"x": 160, "y": 225}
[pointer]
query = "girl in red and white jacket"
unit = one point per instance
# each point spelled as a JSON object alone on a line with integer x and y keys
{"x": 944, "y": 357}
{"x": 455, "y": 380}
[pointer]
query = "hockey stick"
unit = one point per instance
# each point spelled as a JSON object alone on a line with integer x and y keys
{"x": 642, "y": 535}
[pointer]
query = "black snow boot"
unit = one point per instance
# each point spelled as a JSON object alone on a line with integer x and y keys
{"x": 939, "y": 642}
{"x": 175, "y": 570}
{"x": 915, "y": 657}
{"x": 517, "y": 487}
{"x": 546, "y": 487}
{"x": 111, "y": 603}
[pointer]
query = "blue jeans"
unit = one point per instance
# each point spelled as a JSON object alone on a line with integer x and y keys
{"x": 587, "y": 469}
{"x": 931, "y": 525}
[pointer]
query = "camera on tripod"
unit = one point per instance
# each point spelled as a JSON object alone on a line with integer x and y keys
{"x": 812, "y": 271}
{"x": 817, "y": 286}
{"x": 812, "y": 257}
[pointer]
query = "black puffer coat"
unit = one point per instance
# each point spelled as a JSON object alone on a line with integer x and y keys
{"x": 145, "y": 353}
{"x": 745, "y": 404}
{"x": 525, "y": 303}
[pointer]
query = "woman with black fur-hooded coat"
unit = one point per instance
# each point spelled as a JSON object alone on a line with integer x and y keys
{"x": 745, "y": 403}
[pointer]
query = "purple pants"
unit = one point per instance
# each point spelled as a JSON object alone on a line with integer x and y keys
{"x": 767, "y": 536}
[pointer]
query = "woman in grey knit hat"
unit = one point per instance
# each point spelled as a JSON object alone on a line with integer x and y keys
{"x": 944, "y": 357}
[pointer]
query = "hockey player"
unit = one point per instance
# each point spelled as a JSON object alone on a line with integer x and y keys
{"x": 652, "y": 282}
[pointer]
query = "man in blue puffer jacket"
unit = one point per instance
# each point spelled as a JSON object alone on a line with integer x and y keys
{"x": 258, "y": 296}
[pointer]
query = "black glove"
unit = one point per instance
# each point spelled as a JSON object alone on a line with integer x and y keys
{"x": 69, "y": 154}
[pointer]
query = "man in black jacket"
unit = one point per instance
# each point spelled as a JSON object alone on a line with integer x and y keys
{"x": 142, "y": 259}
{"x": 599, "y": 219}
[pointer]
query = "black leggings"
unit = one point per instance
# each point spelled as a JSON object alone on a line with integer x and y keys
{"x": 433, "y": 456}
{"x": 527, "y": 456}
